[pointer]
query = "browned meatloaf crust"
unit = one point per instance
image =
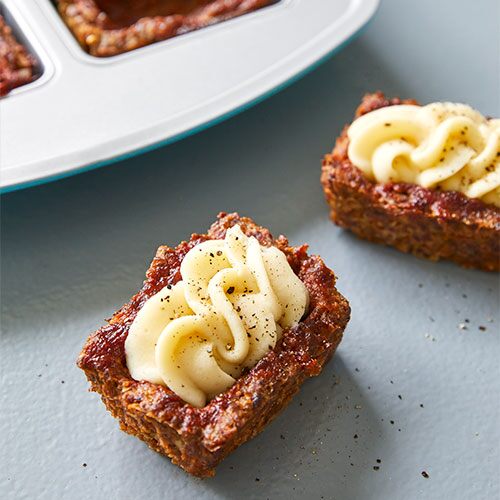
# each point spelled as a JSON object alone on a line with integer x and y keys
{"x": 432, "y": 224}
{"x": 109, "y": 27}
{"x": 17, "y": 65}
{"x": 197, "y": 439}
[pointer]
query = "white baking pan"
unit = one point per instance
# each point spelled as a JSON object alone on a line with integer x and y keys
{"x": 85, "y": 111}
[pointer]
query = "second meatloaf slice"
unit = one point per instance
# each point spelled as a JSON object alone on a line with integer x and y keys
{"x": 427, "y": 223}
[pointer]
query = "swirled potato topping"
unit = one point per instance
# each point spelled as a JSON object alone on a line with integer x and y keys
{"x": 234, "y": 300}
{"x": 445, "y": 146}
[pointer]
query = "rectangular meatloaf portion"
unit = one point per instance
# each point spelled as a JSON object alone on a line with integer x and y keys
{"x": 427, "y": 223}
{"x": 197, "y": 439}
{"x": 108, "y": 27}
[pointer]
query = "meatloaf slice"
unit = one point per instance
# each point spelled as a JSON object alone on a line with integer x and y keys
{"x": 427, "y": 223}
{"x": 197, "y": 439}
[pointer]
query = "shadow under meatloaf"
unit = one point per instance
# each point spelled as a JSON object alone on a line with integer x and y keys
{"x": 427, "y": 223}
{"x": 197, "y": 439}
{"x": 108, "y": 27}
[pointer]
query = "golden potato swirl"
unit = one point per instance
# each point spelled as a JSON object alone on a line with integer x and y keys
{"x": 234, "y": 299}
{"x": 445, "y": 146}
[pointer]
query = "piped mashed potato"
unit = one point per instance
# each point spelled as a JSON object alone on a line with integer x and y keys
{"x": 445, "y": 146}
{"x": 227, "y": 312}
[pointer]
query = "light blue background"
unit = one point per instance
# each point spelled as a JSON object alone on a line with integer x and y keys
{"x": 75, "y": 250}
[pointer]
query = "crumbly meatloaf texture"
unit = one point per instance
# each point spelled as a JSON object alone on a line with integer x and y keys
{"x": 197, "y": 439}
{"x": 17, "y": 65}
{"x": 108, "y": 27}
{"x": 427, "y": 223}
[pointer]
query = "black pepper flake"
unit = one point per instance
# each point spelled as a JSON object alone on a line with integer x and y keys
{"x": 379, "y": 461}
{"x": 424, "y": 473}
{"x": 257, "y": 479}
{"x": 387, "y": 124}
{"x": 219, "y": 253}
{"x": 84, "y": 464}
{"x": 376, "y": 467}
{"x": 482, "y": 328}
{"x": 392, "y": 422}
{"x": 355, "y": 436}
{"x": 230, "y": 290}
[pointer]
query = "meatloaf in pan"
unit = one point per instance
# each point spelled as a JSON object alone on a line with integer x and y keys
{"x": 108, "y": 27}
{"x": 197, "y": 438}
{"x": 17, "y": 66}
{"x": 431, "y": 222}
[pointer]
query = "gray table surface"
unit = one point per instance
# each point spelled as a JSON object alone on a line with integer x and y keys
{"x": 408, "y": 387}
